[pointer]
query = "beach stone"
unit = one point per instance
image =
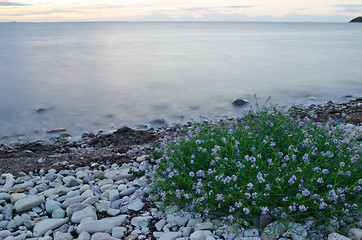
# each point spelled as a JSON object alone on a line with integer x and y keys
{"x": 61, "y": 190}
{"x": 113, "y": 195}
{"x": 4, "y": 234}
{"x": 7, "y": 212}
{"x": 273, "y": 230}
{"x": 5, "y": 196}
{"x": 118, "y": 232}
{"x": 158, "y": 122}
{"x": 85, "y": 212}
{"x": 203, "y": 226}
{"x": 28, "y": 203}
{"x": 91, "y": 200}
{"x": 104, "y": 182}
{"x": 120, "y": 174}
{"x": 52, "y": 205}
{"x": 251, "y": 233}
{"x": 84, "y": 236}
{"x": 87, "y": 194}
{"x": 160, "y": 224}
{"x": 63, "y": 236}
{"x": 10, "y": 182}
{"x": 240, "y": 102}
{"x": 136, "y": 205}
{"x": 337, "y": 236}
{"x": 71, "y": 181}
{"x": 59, "y": 213}
{"x": 116, "y": 204}
{"x": 178, "y": 220}
{"x": 102, "y": 206}
{"x": 101, "y": 236}
{"x": 193, "y": 221}
{"x": 71, "y": 201}
{"x": 74, "y": 208}
{"x": 103, "y": 225}
{"x": 186, "y": 231}
{"x": 170, "y": 236}
{"x": 51, "y": 176}
{"x": 127, "y": 192}
{"x": 140, "y": 221}
{"x": 3, "y": 224}
{"x": 355, "y": 234}
{"x": 81, "y": 174}
{"x": 113, "y": 212}
{"x": 200, "y": 235}
{"x": 254, "y": 238}
{"x": 297, "y": 231}
{"x": 17, "y": 221}
{"x": 47, "y": 224}
{"x": 16, "y": 196}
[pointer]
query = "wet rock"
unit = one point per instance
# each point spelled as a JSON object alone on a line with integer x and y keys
{"x": 240, "y": 102}
{"x": 56, "y": 130}
{"x": 158, "y": 122}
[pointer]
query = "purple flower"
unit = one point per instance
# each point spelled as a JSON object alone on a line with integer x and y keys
{"x": 302, "y": 208}
{"x": 284, "y": 215}
{"x": 305, "y": 192}
{"x": 191, "y": 174}
{"x": 264, "y": 210}
{"x": 246, "y": 211}
{"x": 250, "y": 186}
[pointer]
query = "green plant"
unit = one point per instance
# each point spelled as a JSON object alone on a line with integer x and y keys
{"x": 264, "y": 162}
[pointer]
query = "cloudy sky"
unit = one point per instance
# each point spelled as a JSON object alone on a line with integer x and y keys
{"x": 179, "y": 10}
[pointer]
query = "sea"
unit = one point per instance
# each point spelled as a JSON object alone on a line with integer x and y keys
{"x": 100, "y": 76}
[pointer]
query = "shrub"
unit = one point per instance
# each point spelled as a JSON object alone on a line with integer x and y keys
{"x": 264, "y": 162}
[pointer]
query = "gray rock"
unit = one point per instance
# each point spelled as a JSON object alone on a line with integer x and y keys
{"x": 116, "y": 204}
{"x": 251, "y": 233}
{"x": 186, "y": 231}
{"x": 140, "y": 221}
{"x": 28, "y": 203}
{"x": 59, "y": 213}
{"x": 4, "y": 234}
{"x": 297, "y": 231}
{"x": 240, "y": 102}
{"x": 200, "y": 235}
{"x": 4, "y": 224}
{"x": 18, "y": 220}
{"x": 45, "y": 225}
{"x": 136, "y": 205}
{"x": 84, "y": 236}
{"x": 10, "y": 181}
{"x": 253, "y": 238}
{"x": 113, "y": 212}
{"x": 5, "y": 196}
{"x": 63, "y": 236}
{"x": 170, "y": 236}
{"x": 264, "y": 220}
{"x": 336, "y": 236}
{"x": 16, "y": 196}
{"x": 7, "y": 212}
{"x": 127, "y": 192}
{"x": 178, "y": 220}
{"x": 273, "y": 230}
{"x": 52, "y": 205}
{"x": 120, "y": 174}
{"x": 73, "y": 200}
{"x": 103, "y": 225}
{"x": 91, "y": 200}
{"x": 204, "y": 226}
{"x": 101, "y": 236}
{"x": 75, "y": 207}
{"x": 85, "y": 212}
{"x": 193, "y": 221}
{"x": 159, "y": 225}
{"x": 113, "y": 195}
{"x": 118, "y": 232}
{"x": 355, "y": 233}
{"x": 102, "y": 206}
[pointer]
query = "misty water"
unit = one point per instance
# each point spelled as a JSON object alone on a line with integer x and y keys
{"x": 99, "y": 76}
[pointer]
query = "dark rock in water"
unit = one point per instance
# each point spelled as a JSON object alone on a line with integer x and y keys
{"x": 65, "y": 135}
{"x": 123, "y": 130}
{"x": 357, "y": 19}
{"x": 359, "y": 99}
{"x": 329, "y": 102}
{"x": 240, "y": 102}
{"x": 158, "y": 122}
{"x": 57, "y": 130}
{"x": 40, "y": 110}
{"x": 348, "y": 96}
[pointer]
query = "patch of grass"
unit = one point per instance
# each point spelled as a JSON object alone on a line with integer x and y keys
{"x": 264, "y": 162}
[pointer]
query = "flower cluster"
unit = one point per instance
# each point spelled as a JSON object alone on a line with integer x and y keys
{"x": 264, "y": 162}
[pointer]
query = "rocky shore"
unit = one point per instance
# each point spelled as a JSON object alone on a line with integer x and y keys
{"x": 84, "y": 190}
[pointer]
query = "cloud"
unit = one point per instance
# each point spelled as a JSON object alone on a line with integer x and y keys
{"x": 195, "y": 9}
{"x": 352, "y": 8}
{"x": 12, "y": 4}
{"x": 42, "y": 13}
{"x": 242, "y": 6}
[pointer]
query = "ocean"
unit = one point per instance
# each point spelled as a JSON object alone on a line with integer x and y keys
{"x": 87, "y": 77}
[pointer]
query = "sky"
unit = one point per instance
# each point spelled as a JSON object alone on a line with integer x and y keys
{"x": 179, "y": 10}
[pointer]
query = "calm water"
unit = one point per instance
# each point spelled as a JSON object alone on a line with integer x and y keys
{"x": 92, "y": 76}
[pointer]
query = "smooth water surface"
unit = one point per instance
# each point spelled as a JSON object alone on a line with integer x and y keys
{"x": 92, "y": 76}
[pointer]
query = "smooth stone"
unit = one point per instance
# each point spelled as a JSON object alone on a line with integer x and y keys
{"x": 113, "y": 195}
{"x": 122, "y": 187}
{"x": 75, "y": 207}
{"x": 210, "y": 237}
{"x": 200, "y": 235}
{"x": 10, "y": 182}
{"x": 297, "y": 231}
{"x": 16, "y": 196}
{"x": 104, "y": 182}
{"x": 7, "y": 212}
{"x": 118, "y": 232}
{"x": 178, "y": 220}
{"x": 87, "y": 194}
{"x": 240, "y": 102}
{"x": 81, "y": 174}
{"x": 253, "y": 238}
{"x": 51, "y": 176}
{"x": 91, "y": 200}
{"x": 117, "y": 204}
{"x": 102, "y": 206}
{"x": 273, "y": 230}
{"x": 84, "y": 236}
{"x": 193, "y": 221}
{"x": 120, "y": 174}
{"x": 251, "y": 233}
{"x": 355, "y": 233}
{"x": 160, "y": 224}
{"x": 52, "y": 205}
{"x": 71, "y": 201}
{"x": 73, "y": 193}
{"x": 63, "y": 236}
{"x": 113, "y": 212}
{"x": 5, "y": 196}
{"x": 136, "y": 205}
{"x": 170, "y": 236}
{"x": 336, "y": 236}
{"x": 101, "y": 236}
{"x": 59, "y": 213}
{"x": 203, "y": 226}
{"x": 17, "y": 221}
{"x": 28, "y": 203}
{"x": 127, "y": 192}
{"x": 4, "y": 233}
{"x": 140, "y": 221}
{"x": 47, "y": 224}
{"x": 103, "y": 225}
{"x": 186, "y": 231}
{"x": 85, "y": 212}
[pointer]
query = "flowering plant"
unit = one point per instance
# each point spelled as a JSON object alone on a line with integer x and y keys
{"x": 264, "y": 162}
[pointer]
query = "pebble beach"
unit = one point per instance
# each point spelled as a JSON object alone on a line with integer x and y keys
{"x": 85, "y": 190}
